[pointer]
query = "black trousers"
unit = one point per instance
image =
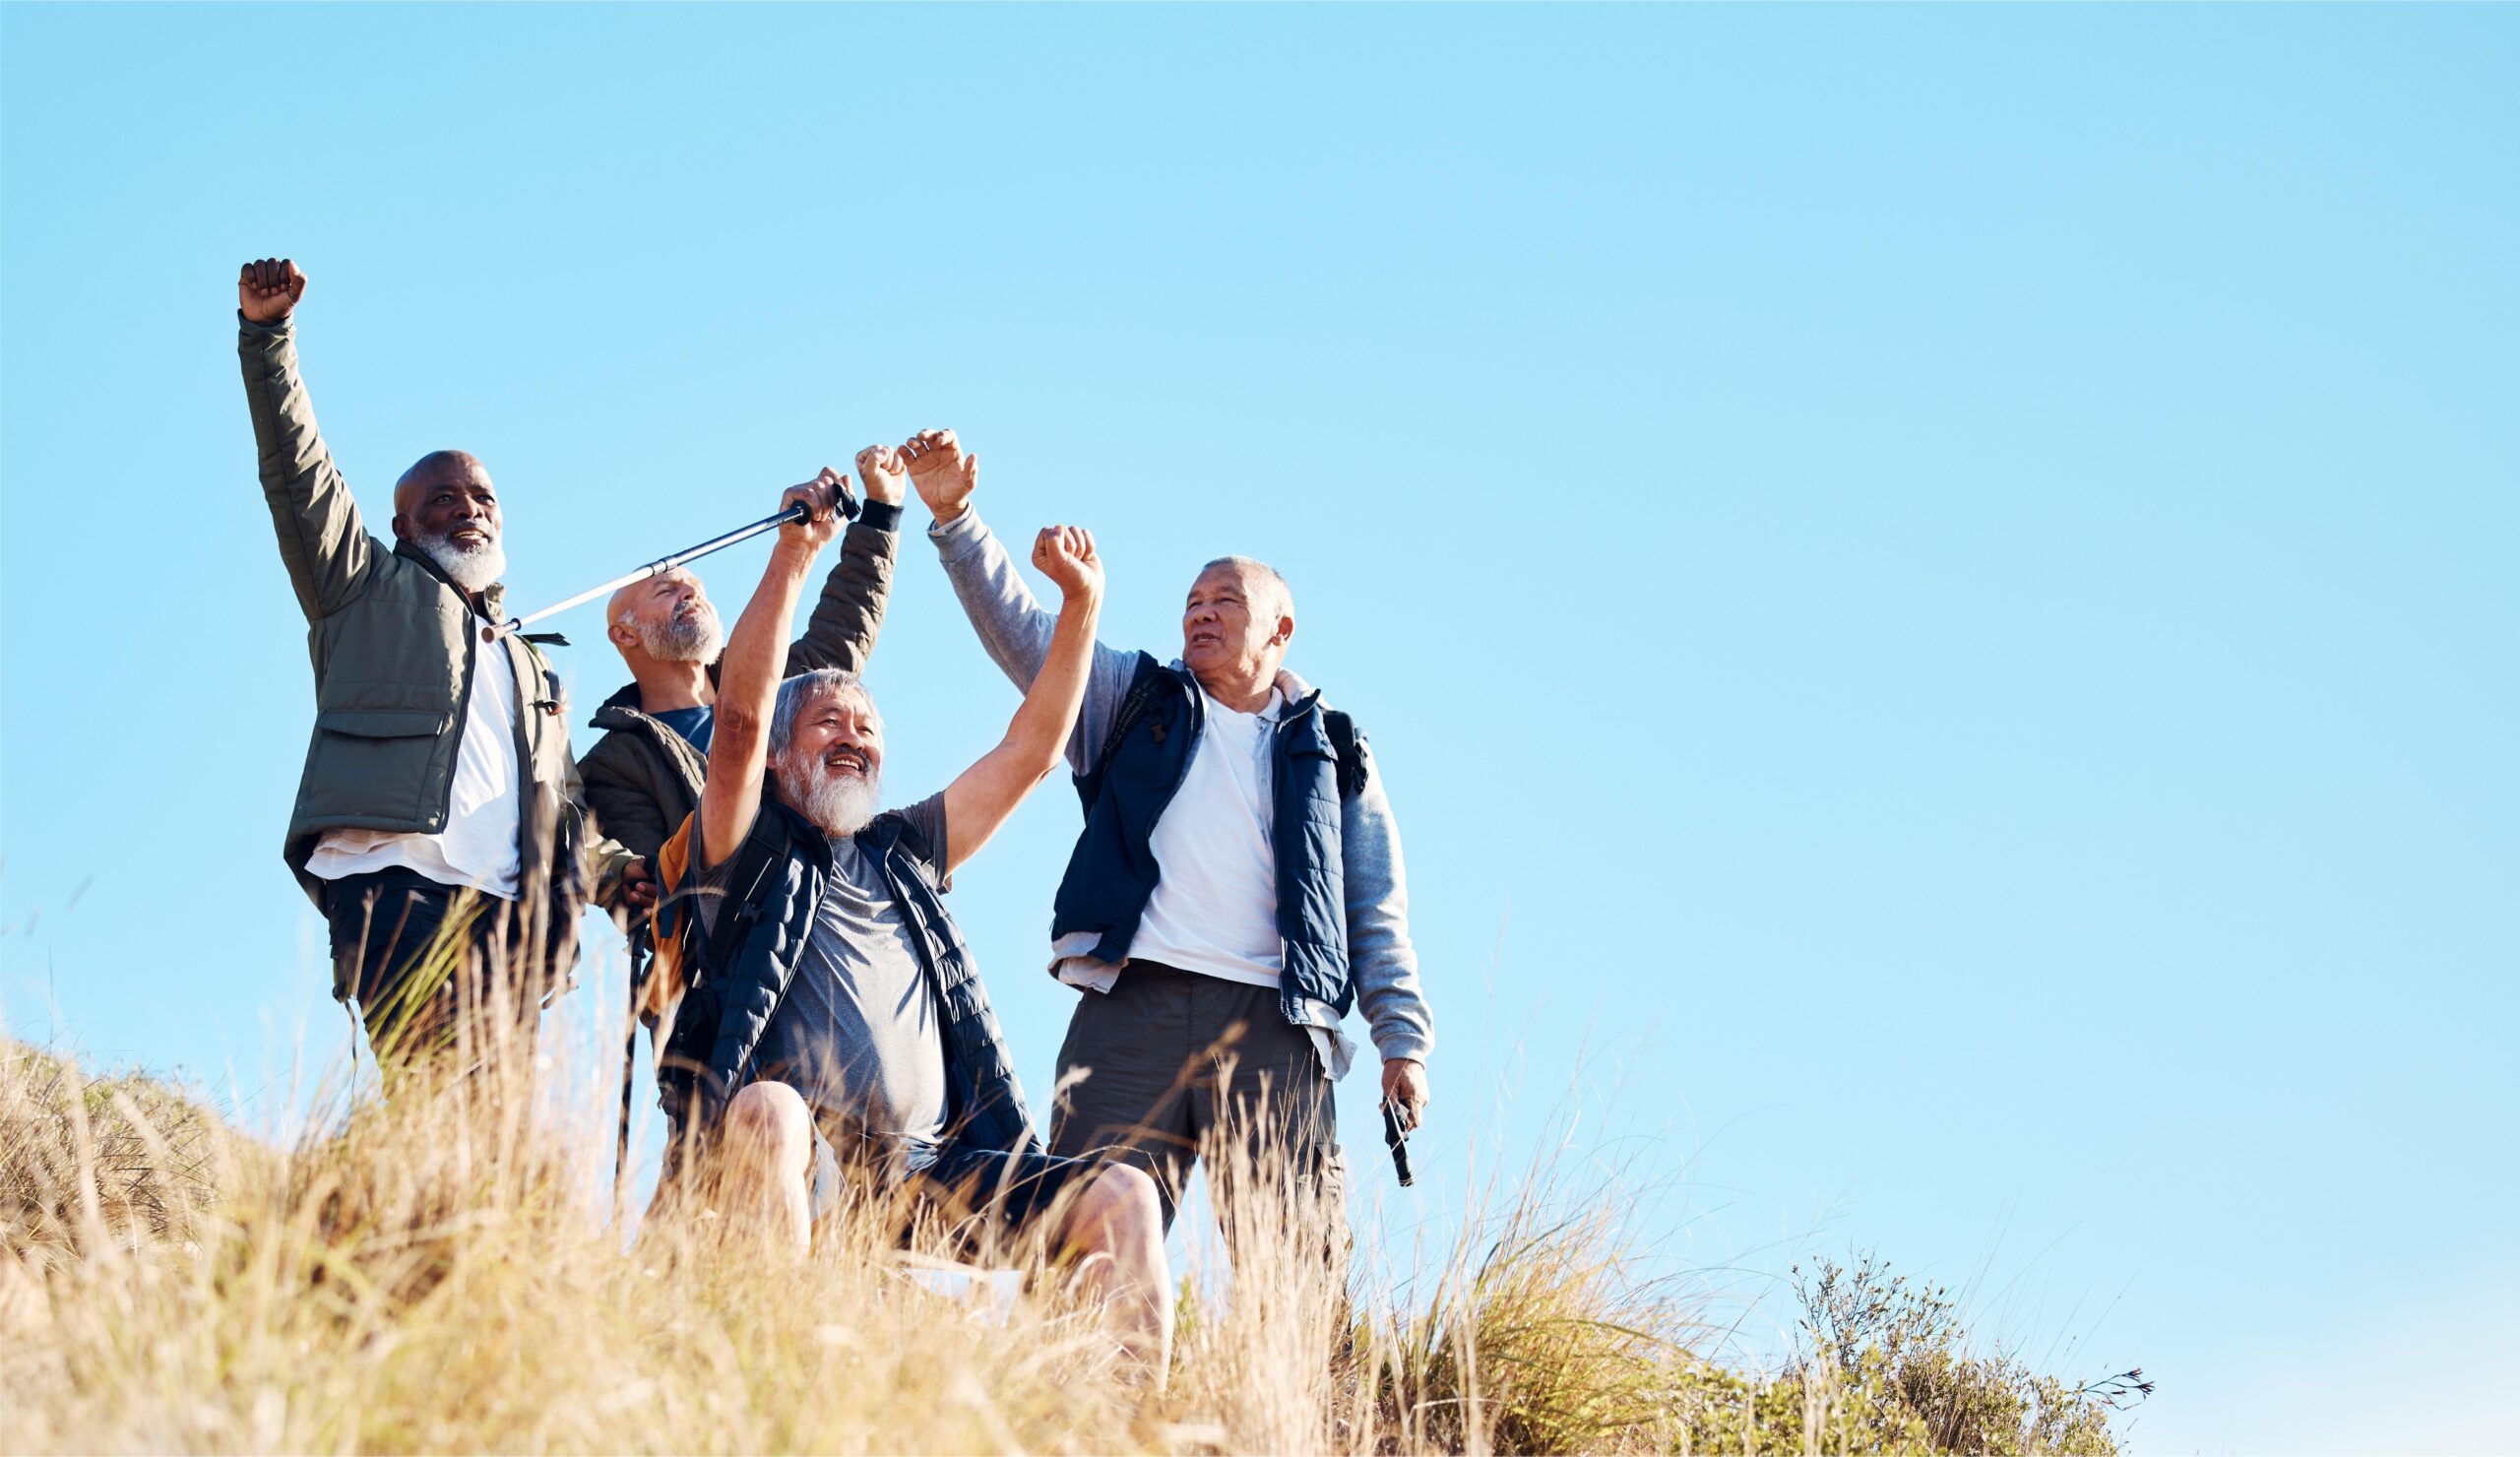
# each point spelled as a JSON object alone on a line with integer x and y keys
{"x": 1169, "y": 1056}
{"x": 423, "y": 955}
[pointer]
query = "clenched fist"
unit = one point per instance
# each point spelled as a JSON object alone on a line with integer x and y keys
{"x": 269, "y": 290}
{"x": 1065, "y": 555}
{"x": 944, "y": 476}
{"x": 885, "y": 472}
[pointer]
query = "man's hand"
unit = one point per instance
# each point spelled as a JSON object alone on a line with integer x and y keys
{"x": 885, "y": 472}
{"x": 1404, "y": 1087}
{"x": 944, "y": 476}
{"x": 269, "y": 290}
{"x": 639, "y": 883}
{"x": 822, "y": 493}
{"x": 1065, "y": 555}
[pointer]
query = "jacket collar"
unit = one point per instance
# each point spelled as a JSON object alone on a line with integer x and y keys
{"x": 1298, "y": 694}
{"x": 622, "y": 710}
{"x": 493, "y": 596}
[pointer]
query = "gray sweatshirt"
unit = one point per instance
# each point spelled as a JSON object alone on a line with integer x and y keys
{"x": 1016, "y": 631}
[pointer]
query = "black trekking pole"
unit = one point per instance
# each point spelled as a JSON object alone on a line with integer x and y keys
{"x": 847, "y": 503}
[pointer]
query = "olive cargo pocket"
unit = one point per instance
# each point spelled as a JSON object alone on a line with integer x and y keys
{"x": 370, "y": 762}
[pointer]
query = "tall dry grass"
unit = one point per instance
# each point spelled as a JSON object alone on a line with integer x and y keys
{"x": 440, "y": 1270}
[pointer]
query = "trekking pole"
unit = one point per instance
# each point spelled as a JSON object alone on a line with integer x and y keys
{"x": 847, "y": 503}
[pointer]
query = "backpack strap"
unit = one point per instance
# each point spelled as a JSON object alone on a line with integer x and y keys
{"x": 1144, "y": 686}
{"x": 1348, "y": 742}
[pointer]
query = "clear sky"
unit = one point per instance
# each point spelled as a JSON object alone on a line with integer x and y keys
{"x": 1933, "y": 585}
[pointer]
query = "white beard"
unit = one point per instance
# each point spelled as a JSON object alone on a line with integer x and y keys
{"x": 841, "y": 804}
{"x": 472, "y": 570}
{"x": 695, "y": 639}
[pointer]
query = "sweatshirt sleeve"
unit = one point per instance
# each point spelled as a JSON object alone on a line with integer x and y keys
{"x": 1014, "y": 629}
{"x": 1379, "y": 952}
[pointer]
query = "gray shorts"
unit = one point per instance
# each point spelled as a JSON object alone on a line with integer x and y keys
{"x": 1172, "y": 1054}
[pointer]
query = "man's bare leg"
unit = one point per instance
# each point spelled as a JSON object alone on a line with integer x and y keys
{"x": 769, "y": 1166}
{"x": 1113, "y": 1235}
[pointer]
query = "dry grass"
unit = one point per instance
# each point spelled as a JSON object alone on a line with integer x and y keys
{"x": 440, "y": 1273}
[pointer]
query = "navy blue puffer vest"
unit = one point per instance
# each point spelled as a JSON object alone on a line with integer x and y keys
{"x": 777, "y": 890}
{"x": 1112, "y": 872}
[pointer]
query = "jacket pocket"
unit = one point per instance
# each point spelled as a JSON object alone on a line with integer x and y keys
{"x": 372, "y": 766}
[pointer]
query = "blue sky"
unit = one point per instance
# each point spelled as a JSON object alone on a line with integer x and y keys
{"x": 1932, "y": 586}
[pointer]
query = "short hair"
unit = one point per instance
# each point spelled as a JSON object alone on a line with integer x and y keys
{"x": 1265, "y": 572}
{"x": 796, "y": 692}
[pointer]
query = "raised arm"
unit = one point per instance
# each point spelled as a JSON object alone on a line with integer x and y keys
{"x": 842, "y": 631}
{"x": 1012, "y": 627}
{"x": 322, "y": 543}
{"x": 756, "y": 658}
{"x": 985, "y": 795}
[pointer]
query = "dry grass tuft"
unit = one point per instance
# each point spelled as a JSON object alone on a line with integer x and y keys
{"x": 440, "y": 1272}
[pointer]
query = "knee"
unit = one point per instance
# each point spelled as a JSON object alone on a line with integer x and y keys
{"x": 1123, "y": 1202}
{"x": 769, "y": 1123}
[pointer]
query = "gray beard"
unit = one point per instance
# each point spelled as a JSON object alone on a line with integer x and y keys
{"x": 678, "y": 640}
{"x": 472, "y": 570}
{"x": 839, "y": 804}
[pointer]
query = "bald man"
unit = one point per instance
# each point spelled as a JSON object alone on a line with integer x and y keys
{"x": 439, "y": 824}
{"x": 644, "y": 775}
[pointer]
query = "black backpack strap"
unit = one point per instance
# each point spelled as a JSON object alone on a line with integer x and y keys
{"x": 1348, "y": 742}
{"x": 1144, "y": 686}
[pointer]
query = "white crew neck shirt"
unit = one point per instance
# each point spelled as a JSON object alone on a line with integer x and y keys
{"x": 479, "y": 845}
{"x": 1215, "y": 906}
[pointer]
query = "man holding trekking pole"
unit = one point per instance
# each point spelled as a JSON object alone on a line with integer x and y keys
{"x": 439, "y": 823}
{"x": 1238, "y": 885}
{"x": 643, "y": 777}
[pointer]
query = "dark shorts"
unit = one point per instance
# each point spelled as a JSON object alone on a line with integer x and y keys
{"x": 984, "y": 1195}
{"x": 1167, "y": 1059}
{"x": 415, "y": 953}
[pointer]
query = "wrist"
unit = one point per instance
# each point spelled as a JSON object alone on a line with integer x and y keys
{"x": 951, "y": 512}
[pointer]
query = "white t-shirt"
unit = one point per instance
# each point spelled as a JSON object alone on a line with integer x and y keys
{"x": 1215, "y": 906}
{"x": 478, "y": 847}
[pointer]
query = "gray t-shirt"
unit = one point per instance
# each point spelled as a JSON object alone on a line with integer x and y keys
{"x": 858, "y": 1034}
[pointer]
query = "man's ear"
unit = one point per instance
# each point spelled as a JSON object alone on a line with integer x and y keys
{"x": 621, "y": 636}
{"x": 401, "y": 532}
{"x": 1286, "y": 632}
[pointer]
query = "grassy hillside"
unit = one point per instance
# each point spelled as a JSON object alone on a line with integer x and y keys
{"x": 437, "y": 1275}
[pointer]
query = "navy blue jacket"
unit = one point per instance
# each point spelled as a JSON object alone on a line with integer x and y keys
{"x": 775, "y": 890}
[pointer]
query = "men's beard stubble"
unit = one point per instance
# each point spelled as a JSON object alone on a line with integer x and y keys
{"x": 841, "y": 804}
{"x": 472, "y": 570}
{"x": 696, "y": 639}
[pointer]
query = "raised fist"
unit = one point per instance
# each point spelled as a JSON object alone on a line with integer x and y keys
{"x": 1065, "y": 555}
{"x": 822, "y": 493}
{"x": 269, "y": 290}
{"x": 943, "y": 474}
{"x": 885, "y": 472}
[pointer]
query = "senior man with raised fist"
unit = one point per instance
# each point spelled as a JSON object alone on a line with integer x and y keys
{"x": 1236, "y": 889}
{"x": 439, "y": 823}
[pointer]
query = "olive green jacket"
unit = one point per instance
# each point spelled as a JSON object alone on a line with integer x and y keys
{"x": 395, "y": 648}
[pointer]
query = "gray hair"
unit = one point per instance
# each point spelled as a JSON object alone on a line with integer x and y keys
{"x": 1267, "y": 574}
{"x": 803, "y": 690}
